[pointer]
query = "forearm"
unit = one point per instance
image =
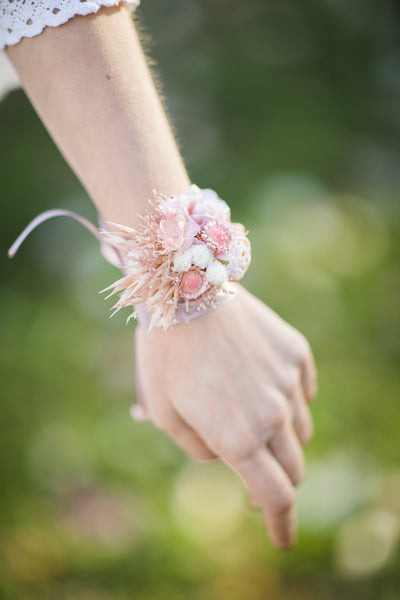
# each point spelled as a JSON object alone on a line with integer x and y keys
{"x": 90, "y": 84}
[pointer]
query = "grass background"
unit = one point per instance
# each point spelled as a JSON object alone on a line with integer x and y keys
{"x": 291, "y": 111}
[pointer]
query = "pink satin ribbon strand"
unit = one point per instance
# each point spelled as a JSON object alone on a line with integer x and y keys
{"x": 49, "y": 214}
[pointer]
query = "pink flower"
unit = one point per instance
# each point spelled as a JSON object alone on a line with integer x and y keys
{"x": 216, "y": 236}
{"x": 193, "y": 283}
{"x": 177, "y": 232}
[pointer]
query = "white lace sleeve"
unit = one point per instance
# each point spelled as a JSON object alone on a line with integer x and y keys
{"x": 27, "y": 18}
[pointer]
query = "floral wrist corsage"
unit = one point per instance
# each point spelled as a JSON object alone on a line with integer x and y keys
{"x": 181, "y": 258}
{"x": 178, "y": 263}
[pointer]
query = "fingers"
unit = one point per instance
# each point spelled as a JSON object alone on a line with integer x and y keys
{"x": 281, "y": 419}
{"x": 175, "y": 427}
{"x": 301, "y": 416}
{"x": 286, "y": 448}
{"x": 238, "y": 442}
{"x": 272, "y": 490}
{"x": 308, "y": 375}
{"x": 282, "y": 527}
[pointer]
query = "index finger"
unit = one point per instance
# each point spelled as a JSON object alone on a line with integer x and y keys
{"x": 268, "y": 483}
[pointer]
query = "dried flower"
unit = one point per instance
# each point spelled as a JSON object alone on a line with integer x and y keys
{"x": 237, "y": 258}
{"x": 201, "y": 256}
{"x": 177, "y": 231}
{"x": 183, "y": 260}
{"x": 216, "y": 236}
{"x": 175, "y": 257}
{"x": 217, "y": 273}
{"x": 193, "y": 283}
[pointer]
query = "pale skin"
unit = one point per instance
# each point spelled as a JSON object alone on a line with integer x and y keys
{"x": 234, "y": 384}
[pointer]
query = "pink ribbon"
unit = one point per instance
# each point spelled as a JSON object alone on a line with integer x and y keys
{"x": 49, "y": 214}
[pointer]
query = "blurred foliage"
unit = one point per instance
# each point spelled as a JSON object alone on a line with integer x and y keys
{"x": 291, "y": 111}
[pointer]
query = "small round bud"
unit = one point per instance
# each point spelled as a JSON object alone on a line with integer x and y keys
{"x": 217, "y": 273}
{"x": 201, "y": 256}
{"x": 183, "y": 261}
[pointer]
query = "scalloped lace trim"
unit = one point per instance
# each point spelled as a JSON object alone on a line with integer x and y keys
{"x": 27, "y": 18}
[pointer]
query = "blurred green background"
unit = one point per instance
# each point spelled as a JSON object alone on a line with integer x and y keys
{"x": 291, "y": 111}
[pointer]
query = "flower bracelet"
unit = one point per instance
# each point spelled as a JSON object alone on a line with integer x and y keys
{"x": 178, "y": 264}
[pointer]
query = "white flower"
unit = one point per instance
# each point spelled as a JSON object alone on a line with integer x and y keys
{"x": 201, "y": 256}
{"x": 238, "y": 255}
{"x": 183, "y": 261}
{"x": 216, "y": 273}
{"x": 238, "y": 258}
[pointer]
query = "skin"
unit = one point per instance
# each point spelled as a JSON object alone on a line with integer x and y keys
{"x": 247, "y": 401}
{"x": 246, "y": 404}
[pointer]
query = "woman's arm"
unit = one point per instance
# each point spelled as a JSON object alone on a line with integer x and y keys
{"x": 233, "y": 383}
{"x": 90, "y": 85}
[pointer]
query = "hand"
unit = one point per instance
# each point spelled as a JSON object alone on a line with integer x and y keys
{"x": 234, "y": 384}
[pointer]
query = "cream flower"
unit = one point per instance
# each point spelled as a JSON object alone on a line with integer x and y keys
{"x": 216, "y": 273}
{"x": 183, "y": 260}
{"x": 201, "y": 256}
{"x": 237, "y": 258}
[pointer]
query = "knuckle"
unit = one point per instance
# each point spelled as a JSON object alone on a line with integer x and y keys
{"x": 300, "y": 348}
{"x": 288, "y": 382}
{"x": 237, "y": 447}
{"x": 304, "y": 353}
{"x": 278, "y": 412}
